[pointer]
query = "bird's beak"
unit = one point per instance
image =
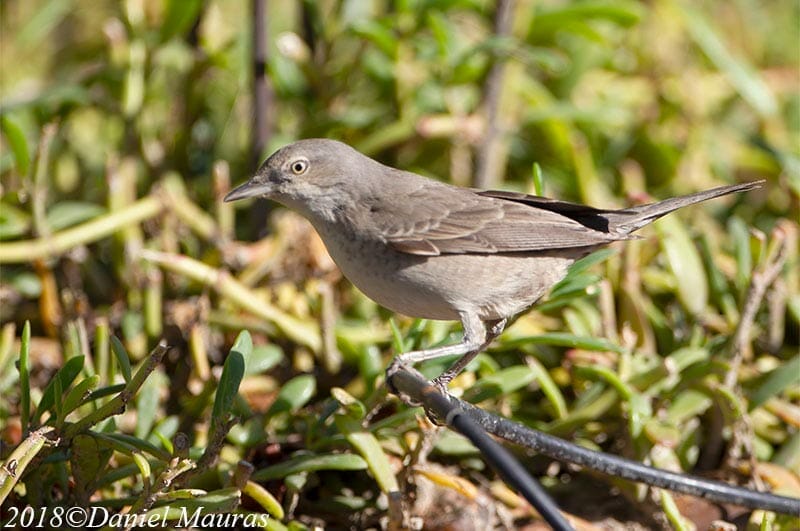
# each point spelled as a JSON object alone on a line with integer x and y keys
{"x": 251, "y": 188}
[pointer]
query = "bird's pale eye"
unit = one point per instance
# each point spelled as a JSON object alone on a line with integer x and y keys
{"x": 299, "y": 166}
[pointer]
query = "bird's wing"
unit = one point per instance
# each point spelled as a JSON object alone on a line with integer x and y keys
{"x": 434, "y": 220}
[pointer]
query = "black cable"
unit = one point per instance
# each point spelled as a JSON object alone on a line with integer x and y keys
{"x": 613, "y": 465}
{"x": 510, "y": 470}
{"x": 412, "y": 384}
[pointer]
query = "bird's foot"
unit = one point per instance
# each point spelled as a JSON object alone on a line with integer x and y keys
{"x": 495, "y": 329}
{"x": 442, "y": 382}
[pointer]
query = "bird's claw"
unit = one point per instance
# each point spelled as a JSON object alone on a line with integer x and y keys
{"x": 441, "y": 384}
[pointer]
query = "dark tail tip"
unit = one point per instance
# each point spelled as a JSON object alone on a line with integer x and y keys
{"x": 635, "y": 218}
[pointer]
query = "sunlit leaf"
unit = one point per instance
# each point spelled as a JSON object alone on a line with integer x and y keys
{"x": 19, "y": 145}
{"x": 311, "y": 463}
{"x": 68, "y": 213}
{"x": 294, "y": 394}
{"x": 62, "y": 379}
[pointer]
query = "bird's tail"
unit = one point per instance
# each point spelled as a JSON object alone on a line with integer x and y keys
{"x": 632, "y": 219}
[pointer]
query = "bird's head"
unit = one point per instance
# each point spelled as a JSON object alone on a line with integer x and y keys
{"x": 306, "y": 171}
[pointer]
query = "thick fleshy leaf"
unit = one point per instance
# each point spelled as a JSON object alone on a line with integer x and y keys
{"x": 370, "y": 449}
{"x": 310, "y": 463}
{"x": 685, "y": 263}
{"x": 68, "y": 213}
{"x": 231, "y": 378}
{"x": 62, "y": 379}
{"x": 294, "y": 394}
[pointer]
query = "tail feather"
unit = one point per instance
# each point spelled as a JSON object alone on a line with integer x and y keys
{"x": 632, "y": 219}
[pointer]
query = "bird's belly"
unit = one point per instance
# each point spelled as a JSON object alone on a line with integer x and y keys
{"x": 442, "y": 287}
{"x": 493, "y": 286}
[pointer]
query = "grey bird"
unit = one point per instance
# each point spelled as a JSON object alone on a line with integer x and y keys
{"x": 428, "y": 249}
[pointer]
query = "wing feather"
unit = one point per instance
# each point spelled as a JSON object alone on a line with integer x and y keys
{"x": 446, "y": 220}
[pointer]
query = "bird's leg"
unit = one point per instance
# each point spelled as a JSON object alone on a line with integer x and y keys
{"x": 474, "y": 337}
{"x": 477, "y": 335}
{"x": 491, "y": 330}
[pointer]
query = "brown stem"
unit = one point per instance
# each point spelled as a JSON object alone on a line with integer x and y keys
{"x": 489, "y": 161}
{"x": 262, "y": 107}
{"x": 762, "y": 278}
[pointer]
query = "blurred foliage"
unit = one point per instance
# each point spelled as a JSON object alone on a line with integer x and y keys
{"x": 124, "y": 123}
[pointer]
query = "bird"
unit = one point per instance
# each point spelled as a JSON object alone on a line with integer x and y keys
{"x": 432, "y": 250}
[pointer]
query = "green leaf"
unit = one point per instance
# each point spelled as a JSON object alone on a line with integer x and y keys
{"x": 62, "y": 379}
{"x": 538, "y": 179}
{"x": 689, "y": 403}
{"x": 287, "y": 77}
{"x": 105, "y": 391}
{"x": 354, "y": 407}
{"x": 128, "y": 444}
{"x": 53, "y": 98}
{"x": 75, "y": 397}
{"x": 294, "y": 394}
{"x": 381, "y": 36}
{"x": 68, "y": 213}
{"x": 264, "y": 498}
{"x": 673, "y": 514}
{"x": 588, "y": 261}
{"x": 563, "y": 340}
{"x": 788, "y": 456}
{"x": 721, "y": 294}
{"x": 574, "y": 16}
{"x": 592, "y": 410}
{"x": 685, "y": 263}
{"x": 122, "y": 358}
{"x": 776, "y": 381}
{"x": 27, "y": 283}
{"x": 42, "y": 21}
{"x": 310, "y": 463}
{"x": 397, "y": 337}
{"x": 58, "y": 396}
{"x": 639, "y": 408}
{"x": 25, "y": 377}
{"x": 14, "y": 222}
{"x": 232, "y": 374}
{"x": 739, "y": 233}
{"x": 577, "y": 280}
{"x": 745, "y": 78}
{"x": 454, "y": 444}
{"x": 296, "y": 482}
{"x": 661, "y": 433}
{"x": 549, "y": 387}
{"x": 674, "y": 364}
{"x": 180, "y": 16}
{"x": 16, "y": 140}
{"x": 143, "y": 465}
{"x": 88, "y": 458}
{"x": 501, "y": 383}
{"x": 262, "y": 359}
{"x": 568, "y": 290}
{"x": 147, "y": 399}
{"x": 370, "y": 449}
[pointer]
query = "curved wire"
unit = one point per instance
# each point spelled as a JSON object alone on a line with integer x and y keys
{"x": 413, "y": 385}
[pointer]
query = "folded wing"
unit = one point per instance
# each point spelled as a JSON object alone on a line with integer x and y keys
{"x": 486, "y": 223}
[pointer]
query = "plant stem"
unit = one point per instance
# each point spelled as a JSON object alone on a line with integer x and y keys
{"x": 89, "y": 232}
{"x": 13, "y": 468}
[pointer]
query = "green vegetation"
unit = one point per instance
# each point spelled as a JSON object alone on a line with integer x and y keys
{"x": 124, "y": 123}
